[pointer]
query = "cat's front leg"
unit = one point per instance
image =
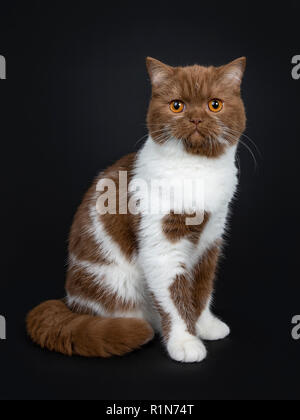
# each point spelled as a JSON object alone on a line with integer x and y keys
{"x": 174, "y": 302}
{"x": 208, "y": 326}
{"x": 166, "y": 265}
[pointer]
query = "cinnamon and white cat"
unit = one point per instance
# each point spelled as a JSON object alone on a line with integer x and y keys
{"x": 132, "y": 274}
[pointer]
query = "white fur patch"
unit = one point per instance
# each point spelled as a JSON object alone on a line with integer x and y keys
{"x": 123, "y": 281}
{"x": 126, "y": 281}
{"x": 107, "y": 246}
{"x": 96, "y": 308}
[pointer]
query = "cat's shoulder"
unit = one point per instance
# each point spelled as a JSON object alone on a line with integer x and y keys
{"x": 124, "y": 164}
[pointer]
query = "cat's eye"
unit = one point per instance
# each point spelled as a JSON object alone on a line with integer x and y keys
{"x": 215, "y": 105}
{"x": 177, "y": 107}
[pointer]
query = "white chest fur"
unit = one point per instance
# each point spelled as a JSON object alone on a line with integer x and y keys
{"x": 216, "y": 178}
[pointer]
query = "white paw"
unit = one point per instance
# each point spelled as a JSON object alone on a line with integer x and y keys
{"x": 212, "y": 329}
{"x": 187, "y": 349}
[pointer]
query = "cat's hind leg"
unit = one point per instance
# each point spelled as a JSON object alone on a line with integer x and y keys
{"x": 111, "y": 297}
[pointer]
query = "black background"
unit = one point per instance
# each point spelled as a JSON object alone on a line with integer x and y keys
{"x": 74, "y": 101}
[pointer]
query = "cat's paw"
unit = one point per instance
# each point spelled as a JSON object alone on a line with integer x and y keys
{"x": 212, "y": 329}
{"x": 186, "y": 349}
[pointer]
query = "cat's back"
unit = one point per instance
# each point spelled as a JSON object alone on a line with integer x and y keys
{"x": 91, "y": 228}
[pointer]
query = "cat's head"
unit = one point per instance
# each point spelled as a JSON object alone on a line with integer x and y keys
{"x": 201, "y": 107}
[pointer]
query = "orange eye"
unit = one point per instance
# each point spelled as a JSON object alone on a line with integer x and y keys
{"x": 215, "y": 105}
{"x": 177, "y": 106}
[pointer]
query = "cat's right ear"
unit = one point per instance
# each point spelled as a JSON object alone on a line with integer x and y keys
{"x": 158, "y": 71}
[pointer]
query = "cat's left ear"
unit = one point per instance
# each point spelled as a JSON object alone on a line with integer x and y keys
{"x": 232, "y": 73}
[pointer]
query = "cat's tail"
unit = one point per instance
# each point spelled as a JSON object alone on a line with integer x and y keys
{"x": 53, "y": 326}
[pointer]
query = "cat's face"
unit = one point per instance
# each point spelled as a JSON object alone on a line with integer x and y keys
{"x": 198, "y": 106}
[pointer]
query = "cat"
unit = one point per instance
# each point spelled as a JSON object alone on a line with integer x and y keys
{"x": 133, "y": 274}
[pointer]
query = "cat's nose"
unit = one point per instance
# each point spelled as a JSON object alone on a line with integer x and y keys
{"x": 196, "y": 121}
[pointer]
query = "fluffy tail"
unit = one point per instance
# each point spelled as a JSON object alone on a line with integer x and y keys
{"x": 53, "y": 326}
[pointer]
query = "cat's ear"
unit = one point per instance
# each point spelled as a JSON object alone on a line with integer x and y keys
{"x": 158, "y": 71}
{"x": 232, "y": 73}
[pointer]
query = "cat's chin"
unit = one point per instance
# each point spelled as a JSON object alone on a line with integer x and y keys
{"x": 195, "y": 140}
{"x": 195, "y": 137}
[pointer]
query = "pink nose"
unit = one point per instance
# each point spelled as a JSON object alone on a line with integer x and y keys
{"x": 196, "y": 121}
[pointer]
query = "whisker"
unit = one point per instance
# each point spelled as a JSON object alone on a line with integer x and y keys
{"x": 163, "y": 130}
{"x": 247, "y": 147}
{"x": 238, "y": 134}
{"x": 141, "y": 139}
{"x": 252, "y": 154}
{"x": 246, "y": 137}
{"x": 234, "y": 135}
